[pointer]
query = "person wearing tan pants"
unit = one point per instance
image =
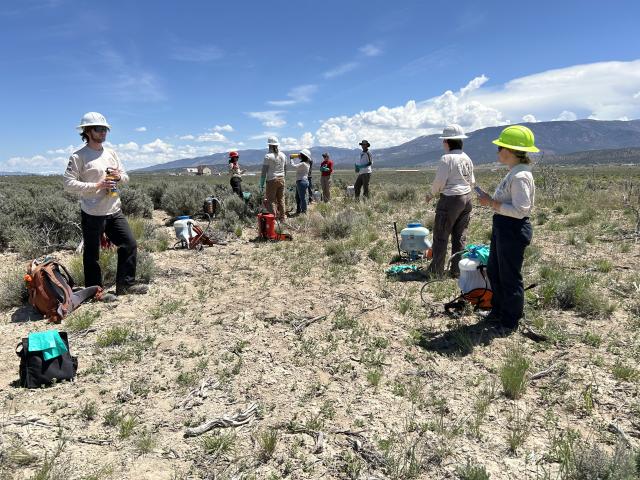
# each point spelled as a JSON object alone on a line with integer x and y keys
{"x": 326, "y": 169}
{"x": 452, "y": 185}
{"x": 273, "y": 175}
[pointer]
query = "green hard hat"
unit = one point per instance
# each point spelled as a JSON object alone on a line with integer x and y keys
{"x": 517, "y": 137}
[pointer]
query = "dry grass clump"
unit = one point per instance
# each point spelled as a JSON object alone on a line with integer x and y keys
{"x": 570, "y": 291}
{"x": 513, "y": 374}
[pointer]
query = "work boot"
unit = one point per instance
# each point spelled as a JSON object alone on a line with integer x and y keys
{"x": 107, "y": 297}
{"x": 135, "y": 289}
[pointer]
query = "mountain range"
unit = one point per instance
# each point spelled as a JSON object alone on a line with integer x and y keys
{"x": 571, "y": 142}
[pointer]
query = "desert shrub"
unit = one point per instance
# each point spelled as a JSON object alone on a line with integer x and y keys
{"x": 567, "y": 290}
{"x": 184, "y": 199}
{"x": 155, "y": 190}
{"x": 472, "y": 472}
{"x": 592, "y": 463}
{"x": 402, "y": 193}
{"x": 135, "y": 202}
{"x": 146, "y": 269}
{"x": 234, "y": 204}
{"x": 38, "y": 219}
{"x": 339, "y": 225}
{"x": 13, "y": 291}
{"x": 230, "y": 222}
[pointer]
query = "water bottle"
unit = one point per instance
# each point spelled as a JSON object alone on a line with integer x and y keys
{"x": 112, "y": 192}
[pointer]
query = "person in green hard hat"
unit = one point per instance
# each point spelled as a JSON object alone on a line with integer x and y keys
{"x": 512, "y": 203}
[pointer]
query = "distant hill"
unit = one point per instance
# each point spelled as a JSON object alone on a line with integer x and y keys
{"x": 597, "y": 157}
{"x": 593, "y": 141}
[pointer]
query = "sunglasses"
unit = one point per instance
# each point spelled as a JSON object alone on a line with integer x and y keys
{"x": 500, "y": 149}
{"x": 100, "y": 129}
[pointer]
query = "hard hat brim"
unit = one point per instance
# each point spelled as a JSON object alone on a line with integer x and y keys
{"x": 274, "y": 143}
{"x": 453, "y": 137}
{"x": 532, "y": 149}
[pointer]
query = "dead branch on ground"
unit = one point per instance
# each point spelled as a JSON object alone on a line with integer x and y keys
{"x": 225, "y": 421}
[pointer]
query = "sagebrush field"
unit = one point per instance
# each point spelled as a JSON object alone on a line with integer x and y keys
{"x": 332, "y": 369}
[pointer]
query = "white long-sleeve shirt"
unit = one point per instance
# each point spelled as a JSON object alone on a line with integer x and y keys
{"x": 86, "y": 169}
{"x": 275, "y": 164}
{"x": 454, "y": 175}
{"x": 516, "y": 192}
{"x": 302, "y": 169}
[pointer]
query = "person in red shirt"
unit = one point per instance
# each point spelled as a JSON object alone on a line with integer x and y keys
{"x": 326, "y": 169}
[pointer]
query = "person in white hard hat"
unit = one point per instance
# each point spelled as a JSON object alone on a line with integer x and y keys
{"x": 302, "y": 178}
{"x": 363, "y": 169}
{"x": 453, "y": 183}
{"x": 93, "y": 173}
{"x": 273, "y": 175}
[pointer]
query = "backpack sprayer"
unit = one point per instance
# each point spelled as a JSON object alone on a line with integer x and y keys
{"x": 192, "y": 236}
{"x": 473, "y": 282}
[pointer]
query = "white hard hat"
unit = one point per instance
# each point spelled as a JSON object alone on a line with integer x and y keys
{"x": 273, "y": 141}
{"x": 453, "y": 132}
{"x": 93, "y": 119}
{"x": 306, "y": 153}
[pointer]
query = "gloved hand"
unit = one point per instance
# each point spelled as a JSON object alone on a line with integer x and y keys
{"x": 357, "y": 168}
{"x": 262, "y": 180}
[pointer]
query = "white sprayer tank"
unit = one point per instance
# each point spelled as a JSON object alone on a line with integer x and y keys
{"x": 183, "y": 228}
{"x": 351, "y": 191}
{"x": 415, "y": 239}
{"x": 471, "y": 277}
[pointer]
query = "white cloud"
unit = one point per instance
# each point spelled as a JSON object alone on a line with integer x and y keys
{"x": 300, "y": 94}
{"x": 340, "y": 70}
{"x": 223, "y": 128}
{"x": 141, "y": 129}
{"x": 211, "y": 137}
{"x": 157, "y": 146}
{"x": 187, "y": 137}
{"x": 305, "y": 141}
{"x": 566, "y": 115}
{"x": 529, "y": 118}
{"x": 370, "y": 50}
{"x": 636, "y": 95}
{"x": 68, "y": 150}
{"x": 597, "y": 90}
{"x": 269, "y": 118}
{"x": 300, "y": 124}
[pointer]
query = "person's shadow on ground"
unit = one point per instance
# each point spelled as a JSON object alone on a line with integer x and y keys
{"x": 26, "y": 313}
{"x": 462, "y": 339}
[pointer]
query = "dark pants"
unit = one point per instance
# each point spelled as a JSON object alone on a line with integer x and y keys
{"x": 118, "y": 232}
{"x": 362, "y": 182}
{"x": 509, "y": 238}
{"x": 452, "y": 219}
{"x": 310, "y": 190}
{"x": 236, "y": 186}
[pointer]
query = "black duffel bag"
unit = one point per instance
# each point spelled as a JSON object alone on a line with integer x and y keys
{"x": 35, "y": 371}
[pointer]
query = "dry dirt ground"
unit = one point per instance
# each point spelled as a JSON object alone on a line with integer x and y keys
{"x": 349, "y": 376}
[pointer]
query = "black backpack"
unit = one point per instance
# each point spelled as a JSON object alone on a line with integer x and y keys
{"x": 36, "y": 372}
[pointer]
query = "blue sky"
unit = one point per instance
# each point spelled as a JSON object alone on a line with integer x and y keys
{"x": 183, "y": 79}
